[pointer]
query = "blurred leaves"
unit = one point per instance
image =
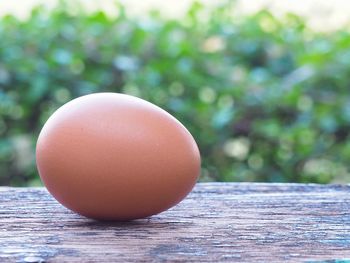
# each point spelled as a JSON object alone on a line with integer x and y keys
{"x": 267, "y": 99}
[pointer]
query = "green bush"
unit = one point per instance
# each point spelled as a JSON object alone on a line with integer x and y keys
{"x": 267, "y": 99}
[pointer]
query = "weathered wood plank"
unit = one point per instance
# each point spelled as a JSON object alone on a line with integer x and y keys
{"x": 217, "y": 222}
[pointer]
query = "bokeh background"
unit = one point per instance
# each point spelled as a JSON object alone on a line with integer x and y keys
{"x": 264, "y": 87}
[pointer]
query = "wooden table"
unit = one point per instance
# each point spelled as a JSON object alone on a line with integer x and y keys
{"x": 218, "y": 222}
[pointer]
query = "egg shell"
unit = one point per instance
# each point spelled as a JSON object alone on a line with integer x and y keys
{"x": 112, "y": 156}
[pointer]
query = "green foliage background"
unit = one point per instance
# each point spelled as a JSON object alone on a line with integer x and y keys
{"x": 267, "y": 99}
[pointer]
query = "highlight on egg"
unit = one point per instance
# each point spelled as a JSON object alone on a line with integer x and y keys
{"x": 112, "y": 156}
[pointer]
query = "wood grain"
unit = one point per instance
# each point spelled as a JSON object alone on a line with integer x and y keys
{"x": 218, "y": 222}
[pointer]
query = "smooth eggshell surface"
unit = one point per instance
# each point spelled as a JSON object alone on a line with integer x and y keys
{"x": 111, "y": 156}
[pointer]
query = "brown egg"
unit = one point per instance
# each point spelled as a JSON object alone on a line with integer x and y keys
{"x": 112, "y": 156}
